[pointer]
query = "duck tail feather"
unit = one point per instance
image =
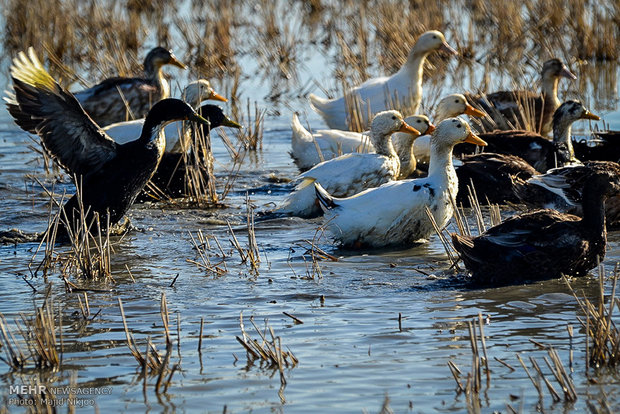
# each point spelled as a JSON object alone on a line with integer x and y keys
{"x": 325, "y": 199}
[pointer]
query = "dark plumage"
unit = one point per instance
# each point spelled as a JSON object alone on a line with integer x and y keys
{"x": 110, "y": 175}
{"x": 535, "y": 149}
{"x": 171, "y": 174}
{"x": 605, "y": 148}
{"x": 523, "y": 109}
{"x": 562, "y": 189}
{"x": 492, "y": 176}
{"x": 543, "y": 244}
{"x": 104, "y": 103}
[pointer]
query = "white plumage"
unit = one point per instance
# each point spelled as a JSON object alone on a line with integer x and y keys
{"x": 394, "y": 213}
{"x": 405, "y": 86}
{"x": 309, "y": 149}
{"x": 350, "y": 173}
{"x": 450, "y": 106}
{"x": 194, "y": 93}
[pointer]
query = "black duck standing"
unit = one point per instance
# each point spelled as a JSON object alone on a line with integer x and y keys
{"x": 543, "y": 244}
{"x": 110, "y": 175}
{"x": 105, "y": 104}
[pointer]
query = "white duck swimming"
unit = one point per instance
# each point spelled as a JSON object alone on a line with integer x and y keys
{"x": 350, "y": 173}
{"x": 404, "y": 86}
{"x": 450, "y": 106}
{"x": 310, "y": 149}
{"x": 394, "y": 213}
{"x": 194, "y": 93}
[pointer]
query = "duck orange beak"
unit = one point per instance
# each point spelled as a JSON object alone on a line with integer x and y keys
{"x": 408, "y": 129}
{"x": 430, "y": 129}
{"x": 475, "y": 139}
{"x": 217, "y": 97}
{"x": 589, "y": 115}
{"x": 471, "y": 111}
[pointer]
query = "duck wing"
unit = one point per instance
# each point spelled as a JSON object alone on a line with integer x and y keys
{"x": 68, "y": 134}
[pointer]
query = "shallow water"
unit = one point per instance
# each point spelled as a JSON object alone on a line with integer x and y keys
{"x": 350, "y": 349}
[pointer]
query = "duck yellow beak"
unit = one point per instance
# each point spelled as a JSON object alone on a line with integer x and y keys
{"x": 217, "y": 97}
{"x": 408, "y": 129}
{"x": 176, "y": 62}
{"x": 589, "y": 115}
{"x": 230, "y": 123}
{"x": 475, "y": 139}
{"x": 471, "y": 111}
{"x": 197, "y": 118}
{"x": 430, "y": 129}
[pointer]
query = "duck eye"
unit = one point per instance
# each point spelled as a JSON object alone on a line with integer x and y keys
{"x": 434, "y": 37}
{"x": 458, "y": 125}
{"x": 394, "y": 117}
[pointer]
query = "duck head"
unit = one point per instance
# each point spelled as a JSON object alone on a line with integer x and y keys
{"x": 200, "y": 90}
{"x": 431, "y": 41}
{"x": 383, "y": 125}
{"x": 569, "y": 112}
{"x": 216, "y": 117}
{"x": 421, "y": 123}
{"x": 455, "y": 105}
{"x": 554, "y": 68}
{"x": 160, "y": 56}
{"x": 454, "y": 131}
{"x": 164, "y": 112}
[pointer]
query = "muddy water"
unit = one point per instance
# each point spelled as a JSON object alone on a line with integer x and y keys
{"x": 350, "y": 349}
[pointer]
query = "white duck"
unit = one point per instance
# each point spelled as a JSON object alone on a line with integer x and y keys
{"x": 194, "y": 93}
{"x": 350, "y": 173}
{"x": 309, "y": 149}
{"x": 403, "y": 86}
{"x": 394, "y": 213}
{"x": 450, "y": 106}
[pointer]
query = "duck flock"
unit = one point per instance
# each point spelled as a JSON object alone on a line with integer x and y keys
{"x": 375, "y": 189}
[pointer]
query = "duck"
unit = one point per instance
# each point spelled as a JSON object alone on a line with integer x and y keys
{"x": 524, "y": 109}
{"x": 539, "y": 152}
{"x": 492, "y": 176}
{"x": 394, "y": 214}
{"x": 448, "y": 107}
{"x": 562, "y": 189}
{"x": 109, "y": 175}
{"x": 350, "y": 173}
{"x": 604, "y": 146}
{"x": 405, "y": 86}
{"x": 309, "y": 149}
{"x": 194, "y": 94}
{"x": 542, "y": 244}
{"x": 172, "y": 173}
{"x": 106, "y": 101}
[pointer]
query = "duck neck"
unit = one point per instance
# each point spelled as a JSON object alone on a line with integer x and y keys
{"x": 441, "y": 161}
{"x": 408, "y": 163}
{"x": 415, "y": 66}
{"x": 562, "y": 141}
{"x": 155, "y": 73}
{"x": 152, "y": 133}
{"x": 383, "y": 145}
{"x": 550, "y": 89}
{"x": 593, "y": 203}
